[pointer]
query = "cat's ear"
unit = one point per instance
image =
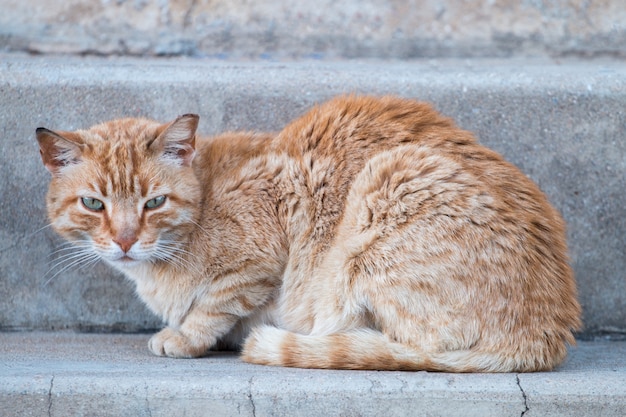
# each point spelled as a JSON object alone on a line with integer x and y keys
{"x": 177, "y": 141}
{"x": 58, "y": 149}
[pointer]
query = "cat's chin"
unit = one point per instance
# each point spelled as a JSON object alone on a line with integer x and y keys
{"x": 125, "y": 263}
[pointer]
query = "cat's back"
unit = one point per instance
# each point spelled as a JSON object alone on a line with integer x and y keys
{"x": 360, "y": 126}
{"x": 334, "y": 142}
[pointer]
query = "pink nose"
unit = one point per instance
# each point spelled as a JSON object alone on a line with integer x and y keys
{"x": 125, "y": 242}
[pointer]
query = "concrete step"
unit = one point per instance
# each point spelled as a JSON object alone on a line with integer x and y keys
{"x": 68, "y": 374}
{"x": 562, "y": 122}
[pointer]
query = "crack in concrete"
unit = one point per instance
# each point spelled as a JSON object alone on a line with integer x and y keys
{"x": 148, "y": 401}
{"x": 524, "y": 396}
{"x": 50, "y": 396}
{"x": 371, "y": 389}
{"x": 250, "y": 397}
{"x": 375, "y": 384}
{"x": 404, "y": 383}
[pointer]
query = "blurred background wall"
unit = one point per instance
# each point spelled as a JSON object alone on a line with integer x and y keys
{"x": 321, "y": 29}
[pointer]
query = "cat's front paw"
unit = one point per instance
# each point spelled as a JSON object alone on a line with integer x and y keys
{"x": 172, "y": 343}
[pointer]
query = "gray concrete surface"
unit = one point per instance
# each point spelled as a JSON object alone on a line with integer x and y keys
{"x": 563, "y": 123}
{"x": 271, "y": 29}
{"x": 66, "y": 374}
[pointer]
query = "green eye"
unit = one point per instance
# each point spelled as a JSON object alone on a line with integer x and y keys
{"x": 155, "y": 202}
{"x": 92, "y": 203}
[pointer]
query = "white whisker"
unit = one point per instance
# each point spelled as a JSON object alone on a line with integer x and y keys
{"x": 71, "y": 255}
{"x": 177, "y": 249}
{"x": 172, "y": 253}
{"x": 172, "y": 257}
{"x": 28, "y": 236}
{"x": 68, "y": 257}
{"x": 199, "y": 226}
{"x": 70, "y": 247}
{"x": 91, "y": 261}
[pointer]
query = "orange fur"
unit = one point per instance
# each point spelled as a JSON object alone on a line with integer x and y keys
{"x": 371, "y": 233}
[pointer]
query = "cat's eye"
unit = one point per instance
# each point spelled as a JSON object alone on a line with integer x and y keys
{"x": 155, "y": 202}
{"x": 92, "y": 203}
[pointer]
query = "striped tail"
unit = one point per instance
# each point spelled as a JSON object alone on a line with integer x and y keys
{"x": 370, "y": 349}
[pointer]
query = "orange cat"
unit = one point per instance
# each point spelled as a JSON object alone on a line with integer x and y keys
{"x": 368, "y": 234}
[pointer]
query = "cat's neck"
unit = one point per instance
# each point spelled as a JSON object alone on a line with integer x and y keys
{"x": 158, "y": 284}
{"x": 145, "y": 273}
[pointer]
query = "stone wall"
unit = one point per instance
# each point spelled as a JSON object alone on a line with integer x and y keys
{"x": 322, "y": 29}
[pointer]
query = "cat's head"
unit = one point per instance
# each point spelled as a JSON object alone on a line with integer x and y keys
{"x": 123, "y": 190}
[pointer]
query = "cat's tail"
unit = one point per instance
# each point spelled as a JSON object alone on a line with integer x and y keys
{"x": 370, "y": 349}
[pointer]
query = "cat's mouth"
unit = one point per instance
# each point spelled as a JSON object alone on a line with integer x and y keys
{"x": 125, "y": 261}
